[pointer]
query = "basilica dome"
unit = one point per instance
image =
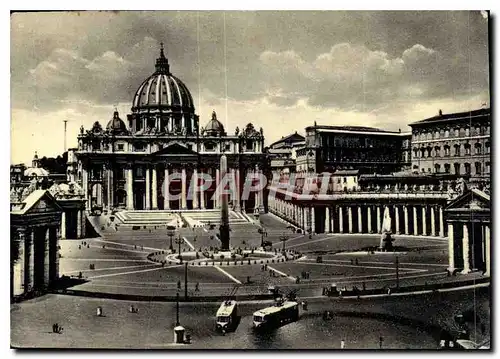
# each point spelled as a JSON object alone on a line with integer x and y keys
{"x": 116, "y": 125}
{"x": 214, "y": 127}
{"x": 163, "y": 91}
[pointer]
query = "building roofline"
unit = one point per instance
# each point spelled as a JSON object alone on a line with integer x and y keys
{"x": 453, "y": 116}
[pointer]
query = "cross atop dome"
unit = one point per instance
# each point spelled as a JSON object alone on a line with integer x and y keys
{"x": 162, "y": 65}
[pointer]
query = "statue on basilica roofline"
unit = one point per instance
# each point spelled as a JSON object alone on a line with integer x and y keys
{"x": 460, "y": 186}
{"x": 237, "y": 131}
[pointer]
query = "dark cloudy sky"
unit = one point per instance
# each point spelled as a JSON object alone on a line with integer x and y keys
{"x": 284, "y": 70}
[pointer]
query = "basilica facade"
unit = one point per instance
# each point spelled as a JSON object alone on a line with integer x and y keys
{"x": 125, "y": 165}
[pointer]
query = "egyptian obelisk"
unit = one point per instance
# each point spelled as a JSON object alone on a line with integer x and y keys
{"x": 224, "y": 209}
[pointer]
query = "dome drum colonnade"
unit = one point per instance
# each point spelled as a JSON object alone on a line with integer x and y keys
{"x": 122, "y": 168}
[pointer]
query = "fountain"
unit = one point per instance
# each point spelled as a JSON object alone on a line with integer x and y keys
{"x": 386, "y": 238}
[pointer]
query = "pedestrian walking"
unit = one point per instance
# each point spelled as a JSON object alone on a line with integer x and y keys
{"x": 197, "y": 287}
{"x": 342, "y": 344}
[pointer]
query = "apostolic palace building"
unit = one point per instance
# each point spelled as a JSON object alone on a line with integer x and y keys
{"x": 124, "y": 165}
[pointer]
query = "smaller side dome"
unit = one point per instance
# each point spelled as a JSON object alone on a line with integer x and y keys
{"x": 116, "y": 125}
{"x": 214, "y": 127}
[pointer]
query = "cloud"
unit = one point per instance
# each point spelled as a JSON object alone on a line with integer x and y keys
{"x": 354, "y": 76}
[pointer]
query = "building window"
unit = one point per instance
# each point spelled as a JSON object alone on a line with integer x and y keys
{"x": 457, "y": 150}
{"x": 446, "y": 150}
{"x": 467, "y": 168}
{"x": 345, "y": 179}
{"x": 487, "y": 147}
{"x": 140, "y": 146}
{"x": 338, "y": 180}
{"x": 354, "y": 179}
{"x": 119, "y": 147}
{"x": 467, "y": 149}
{"x": 437, "y": 151}
{"x": 415, "y": 152}
{"x": 457, "y": 168}
{"x": 487, "y": 167}
{"x": 139, "y": 172}
{"x": 423, "y": 170}
{"x": 228, "y": 147}
{"x": 437, "y": 168}
{"x": 249, "y": 145}
{"x": 446, "y": 168}
{"x": 477, "y": 148}
{"x": 422, "y": 152}
{"x": 478, "y": 167}
{"x": 209, "y": 146}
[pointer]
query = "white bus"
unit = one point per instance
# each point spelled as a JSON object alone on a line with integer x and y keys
{"x": 226, "y": 316}
{"x": 277, "y": 315}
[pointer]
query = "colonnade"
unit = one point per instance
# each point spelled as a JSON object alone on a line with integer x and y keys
{"x": 409, "y": 219}
{"x": 37, "y": 265}
{"x": 68, "y": 218}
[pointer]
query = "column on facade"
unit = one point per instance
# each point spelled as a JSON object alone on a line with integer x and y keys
{"x": 46, "y": 258}
{"x": 202, "y": 193}
{"x": 379, "y": 221}
{"x": 341, "y": 220}
{"x": 237, "y": 206}
{"x": 441, "y": 222}
{"x": 56, "y": 254}
{"x": 148, "y": 188}
{"x": 108, "y": 186}
{"x": 360, "y": 220}
{"x": 369, "y": 218}
{"x": 166, "y": 190}
{"x": 396, "y": 217}
{"x": 451, "y": 248}
{"x": 424, "y": 220}
{"x": 85, "y": 185}
{"x": 433, "y": 221}
{"x": 349, "y": 218}
{"x": 155, "y": 188}
{"x": 84, "y": 224}
{"x": 195, "y": 188}
{"x": 19, "y": 266}
{"x": 313, "y": 219}
{"x": 217, "y": 180}
{"x": 415, "y": 221}
{"x": 487, "y": 248}
{"x": 63, "y": 225}
{"x": 78, "y": 224}
{"x": 406, "y": 219}
{"x": 466, "y": 249}
{"x": 327, "y": 220}
{"x": 130, "y": 188}
{"x": 304, "y": 219}
{"x": 183, "y": 189}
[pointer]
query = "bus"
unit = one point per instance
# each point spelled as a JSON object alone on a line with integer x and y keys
{"x": 227, "y": 316}
{"x": 279, "y": 314}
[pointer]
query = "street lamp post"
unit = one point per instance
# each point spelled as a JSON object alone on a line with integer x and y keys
{"x": 179, "y": 242}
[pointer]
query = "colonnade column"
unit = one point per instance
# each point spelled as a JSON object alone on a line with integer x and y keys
{"x": 451, "y": 248}
{"x": 466, "y": 249}
{"x": 341, "y": 220}
{"x": 487, "y": 249}
{"x": 405, "y": 213}
{"x": 379, "y": 222}
{"x": 369, "y": 215}
{"x": 78, "y": 224}
{"x": 313, "y": 220}
{"x": 29, "y": 265}
{"x": 166, "y": 190}
{"x": 155, "y": 189}
{"x": 63, "y": 225}
{"x": 433, "y": 222}
{"x": 237, "y": 189}
{"x": 130, "y": 189}
{"x": 183, "y": 189}
{"x": 441, "y": 222}
{"x": 148, "y": 189}
{"x": 304, "y": 219}
{"x": 415, "y": 221}
{"x": 424, "y": 220}
{"x": 19, "y": 267}
{"x": 349, "y": 218}
{"x": 46, "y": 260}
{"x": 396, "y": 217}
{"x": 194, "y": 184}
